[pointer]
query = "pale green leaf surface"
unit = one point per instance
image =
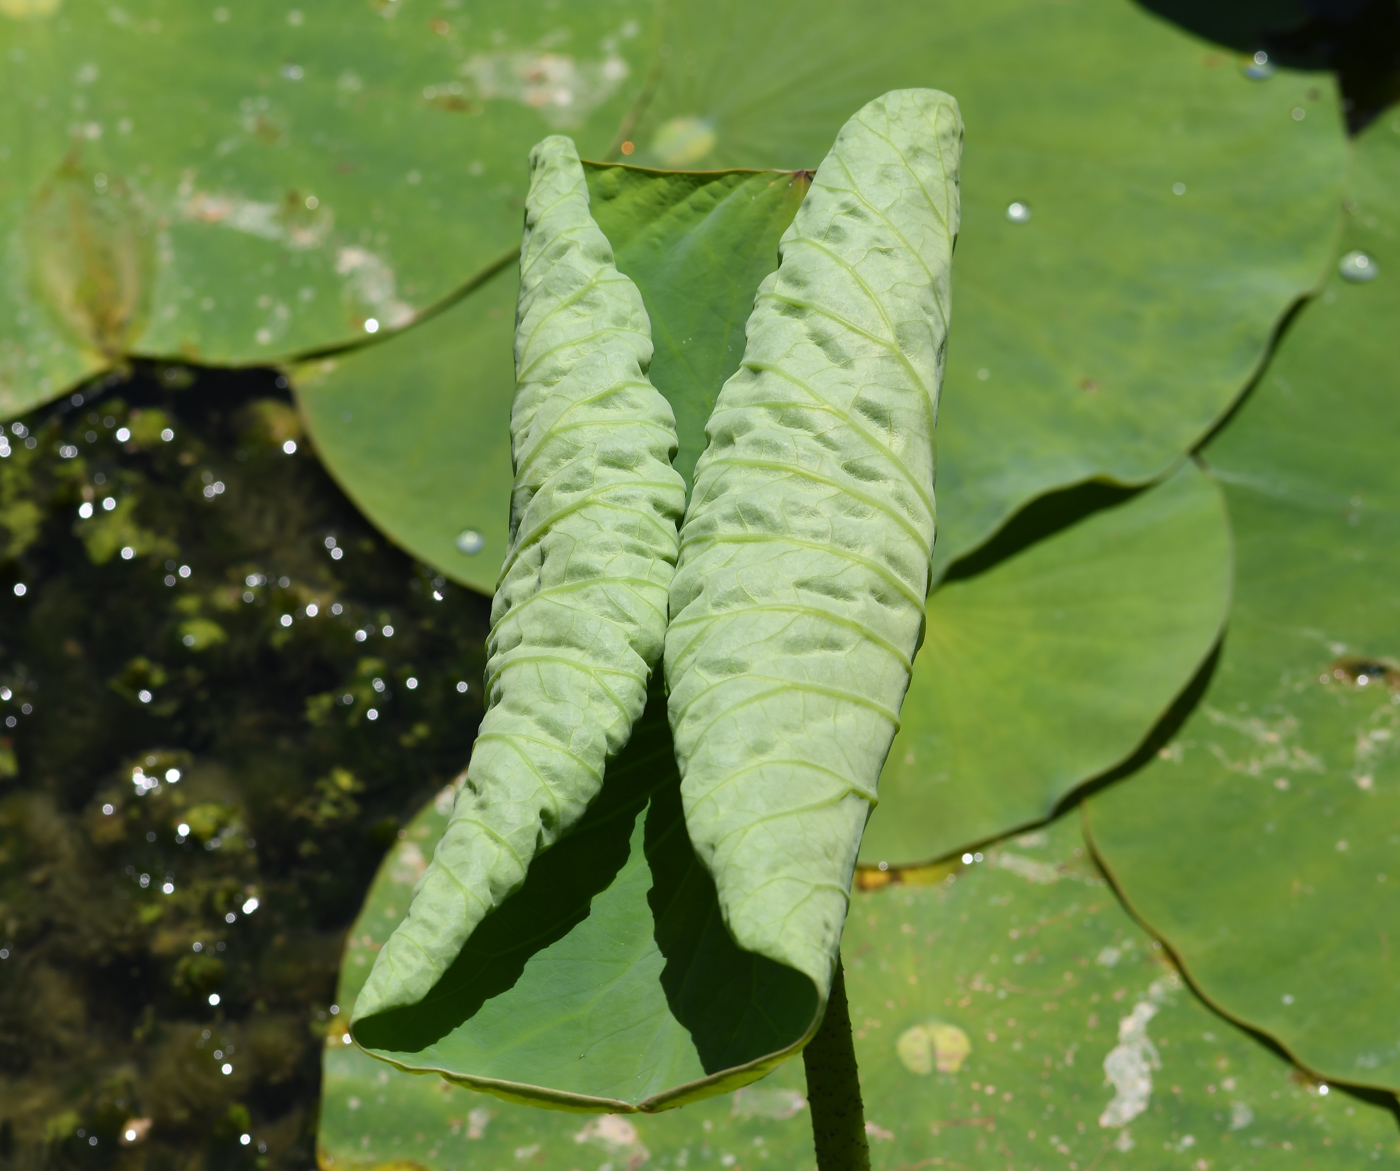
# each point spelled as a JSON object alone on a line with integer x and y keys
{"x": 1264, "y": 843}
{"x": 986, "y": 953}
{"x": 289, "y": 172}
{"x": 579, "y": 616}
{"x": 423, "y": 415}
{"x": 1050, "y": 666}
{"x": 798, "y": 597}
{"x": 1104, "y": 336}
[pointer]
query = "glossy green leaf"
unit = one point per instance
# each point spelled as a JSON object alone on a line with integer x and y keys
{"x": 798, "y": 600}
{"x": 1264, "y": 843}
{"x": 258, "y": 181}
{"x": 1052, "y": 665}
{"x": 973, "y": 966}
{"x": 1100, "y": 338}
{"x": 579, "y": 616}
{"x": 1104, "y": 335}
{"x": 398, "y": 423}
{"x": 608, "y": 981}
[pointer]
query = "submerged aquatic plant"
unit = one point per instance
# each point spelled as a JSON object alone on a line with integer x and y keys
{"x": 222, "y": 691}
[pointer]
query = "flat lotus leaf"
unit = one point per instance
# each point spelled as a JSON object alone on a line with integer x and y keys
{"x": 1264, "y": 843}
{"x": 608, "y": 980}
{"x": 1170, "y": 225}
{"x": 1100, "y": 338}
{"x": 423, "y": 417}
{"x": 969, "y": 974}
{"x": 241, "y": 183}
{"x": 1051, "y": 666}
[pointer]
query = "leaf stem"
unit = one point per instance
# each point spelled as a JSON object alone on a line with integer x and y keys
{"x": 833, "y": 1087}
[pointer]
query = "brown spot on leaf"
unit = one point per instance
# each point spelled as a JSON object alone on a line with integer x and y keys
{"x": 1365, "y": 672}
{"x": 92, "y": 255}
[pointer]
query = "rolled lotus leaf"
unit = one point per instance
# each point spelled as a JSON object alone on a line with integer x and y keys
{"x": 798, "y": 599}
{"x": 579, "y": 616}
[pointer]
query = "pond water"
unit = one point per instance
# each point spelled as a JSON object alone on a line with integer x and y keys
{"x": 221, "y": 692}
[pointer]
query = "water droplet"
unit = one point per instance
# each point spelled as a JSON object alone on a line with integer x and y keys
{"x": 371, "y": 325}
{"x": 462, "y": 687}
{"x": 411, "y": 683}
{"x": 1178, "y": 188}
{"x": 469, "y": 541}
{"x": 1018, "y": 213}
{"x": 290, "y": 447}
{"x": 20, "y": 589}
{"x": 1356, "y": 266}
{"x": 1259, "y": 67}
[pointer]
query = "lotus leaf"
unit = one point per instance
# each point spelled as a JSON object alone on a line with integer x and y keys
{"x": 1101, "y": 337}
{"x": 240, "y": 184}
{"x": 988, "y": 951}
{"x": 1051, "y": 664}
{"x": 1262, "y": 843}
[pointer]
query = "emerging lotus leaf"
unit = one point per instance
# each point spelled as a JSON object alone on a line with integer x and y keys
{"x": 579, "y": 615}
{"x": 798, "y": 600}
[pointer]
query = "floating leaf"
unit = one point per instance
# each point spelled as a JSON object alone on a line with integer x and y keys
{"x": 1050, "y": 666}
{"x": 1264, "y": 843}
{"x": 798, "y": 600}
{"x": 395, "y": 425}
{"x": 326, "y": 170}
{"x": 1100, "y": 337}
{"x": 988, "y": 954}
{"x": 579, "y": 616}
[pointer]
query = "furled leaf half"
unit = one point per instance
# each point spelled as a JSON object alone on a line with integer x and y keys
{"x": 1264, "y": 841}
{"x": 798, "y": 599}
{"x": 1050, "y": 665}
{"x": 580, "y": 612}
{"x": 972, "y": 998}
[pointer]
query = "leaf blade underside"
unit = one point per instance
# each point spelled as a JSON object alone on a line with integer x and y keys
{"x": 798, "y": 597}
{"x": 579, "y": 615}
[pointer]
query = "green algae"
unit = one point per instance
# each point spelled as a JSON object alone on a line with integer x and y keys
{"x": 222, "y": 692}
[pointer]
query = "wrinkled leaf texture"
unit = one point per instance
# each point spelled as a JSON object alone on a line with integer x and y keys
{"x": 580, "y": 611}
{"x": 798, "y": 600}
{"x": 831, "y": 415}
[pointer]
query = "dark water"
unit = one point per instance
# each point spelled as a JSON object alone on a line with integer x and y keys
{"x": 135, "y": 969}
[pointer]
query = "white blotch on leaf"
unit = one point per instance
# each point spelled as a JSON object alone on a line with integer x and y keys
{"x": 1129, "y": 1064}
{"x": 563, "y": 90}
{"x": 615, "y": 1135}
{"x": 757, "y": 1102}
{"x": 370, "y": 283}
